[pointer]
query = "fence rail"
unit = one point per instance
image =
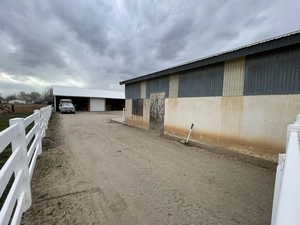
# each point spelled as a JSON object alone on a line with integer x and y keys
{"x": 16, "y": 173}
{"x": 286, "y": 201}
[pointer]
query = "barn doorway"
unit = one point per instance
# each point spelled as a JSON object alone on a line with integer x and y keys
{"x": 80, "y": 103}
{"x": 115, "y": 104}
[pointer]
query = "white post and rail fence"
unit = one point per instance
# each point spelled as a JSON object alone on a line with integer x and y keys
{"x": 17, "y": 171}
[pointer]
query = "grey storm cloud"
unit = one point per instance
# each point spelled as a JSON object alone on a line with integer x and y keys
{"x": 92, "y": 43}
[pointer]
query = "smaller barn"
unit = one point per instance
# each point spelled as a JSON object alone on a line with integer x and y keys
{"x": 93, "y": 100}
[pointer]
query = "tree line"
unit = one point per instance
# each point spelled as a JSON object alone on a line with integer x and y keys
{"x": 30, "y": 97}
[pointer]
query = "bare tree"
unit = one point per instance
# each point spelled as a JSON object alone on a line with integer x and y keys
{"x": 23, "y": 96}
{"x": 48, "y": 96}
{"x": 1, "y": 98}
{"x": 35, "y": 97}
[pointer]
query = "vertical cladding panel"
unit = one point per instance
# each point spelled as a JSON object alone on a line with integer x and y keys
{"x": 133, "y": 91}
{"x": 146, "y": 110}
{"x": 128, "y": 105}
{"x": 234, "y": 75}
{"x": 137, "y": 107}
{"x": 173, "y": 86}
{"x": 143, "y": 89}
{"x": 274, "y": 72}
{"x": 205, "y": 81}
{"x": 157, "y": 86}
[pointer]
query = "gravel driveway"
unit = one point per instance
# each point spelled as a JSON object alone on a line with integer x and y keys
{"x": 135, "y": 177}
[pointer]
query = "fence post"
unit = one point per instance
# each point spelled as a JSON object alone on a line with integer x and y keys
{"x": 286, "y": 195}
{"x": 22, "y": 164}
{"x": 277, "y": 187}
{"x": 293, "y": 127}
{"x": 49, "y": 111}
{"x": 39, "y": 137}
{"x": 43, "y": 121}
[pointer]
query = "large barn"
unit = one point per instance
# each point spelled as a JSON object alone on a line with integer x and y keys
{"x": 93, "y": 100}
{"x": 242, "y": 99}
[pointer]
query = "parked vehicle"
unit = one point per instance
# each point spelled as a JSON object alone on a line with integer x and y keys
{"x": 67, "y": 108}
{"x": 62, "y": 101}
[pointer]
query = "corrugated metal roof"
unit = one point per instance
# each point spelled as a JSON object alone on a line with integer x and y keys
{"x": 258, "y": 47}
{"x": 84, "y": 92}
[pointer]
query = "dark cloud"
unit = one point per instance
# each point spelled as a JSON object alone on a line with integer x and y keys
{"x": 96, "y": 44}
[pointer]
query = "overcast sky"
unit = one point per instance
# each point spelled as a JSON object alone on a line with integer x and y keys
{"x": 95, "y": 44}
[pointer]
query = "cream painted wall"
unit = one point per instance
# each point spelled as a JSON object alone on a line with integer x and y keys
{"x": 255, "y": 123}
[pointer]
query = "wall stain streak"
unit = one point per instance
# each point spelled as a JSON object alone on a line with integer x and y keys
{"x": 231, "y": 142}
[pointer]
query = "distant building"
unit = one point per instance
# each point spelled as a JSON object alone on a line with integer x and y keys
{"x": 242, "y": 99}
{"x": 94, "y": 100}
{"x": 17, "y": 101}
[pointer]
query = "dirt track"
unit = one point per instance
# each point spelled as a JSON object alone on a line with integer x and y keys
{"x": 97, "y": 172}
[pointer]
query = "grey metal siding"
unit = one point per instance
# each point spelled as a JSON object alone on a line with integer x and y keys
{"x": 274, "y": 72}
{"x": 137, "y": 107}
{"x": 157, "y": 86}
{"x": 205, "y": 81}
{"x": 133, "y": 91}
